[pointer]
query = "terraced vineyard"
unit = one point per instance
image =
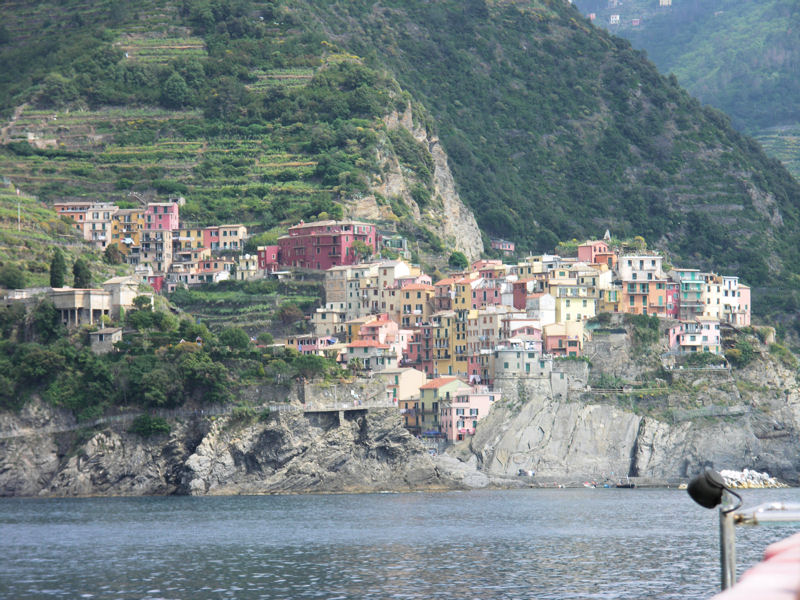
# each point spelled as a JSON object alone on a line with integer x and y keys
{"x": 251, "y": 304}
{"x": 161, "y": 50}
{"x": 260, "y": 174}
{"x": 109, "y": 153}
{"x": 784, "y": 144}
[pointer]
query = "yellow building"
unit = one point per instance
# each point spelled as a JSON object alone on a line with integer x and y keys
{"x": 609, "y": 300}
{"x": 127, "y": 225}
{"x": 573, "y": 303}
{"x": 416, "y": 301}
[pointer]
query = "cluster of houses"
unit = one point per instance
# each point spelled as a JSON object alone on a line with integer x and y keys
{"x": 457, "y": 337}
{"x": 163, "y": 251}
{"x": 441, "y": 346}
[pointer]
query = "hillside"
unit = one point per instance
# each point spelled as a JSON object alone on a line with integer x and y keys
{"x": 269, "y": 112}
{"x": 740, "y": 57}
{"x": 264, "y": 124}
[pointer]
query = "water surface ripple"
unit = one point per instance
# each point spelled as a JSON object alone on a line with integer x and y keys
{"x": 557, "y": 544}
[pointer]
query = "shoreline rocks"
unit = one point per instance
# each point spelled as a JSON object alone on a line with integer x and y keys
{"x": 749, "y": 479}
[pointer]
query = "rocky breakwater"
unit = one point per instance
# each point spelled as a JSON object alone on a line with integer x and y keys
{"x": 748, "y": 479}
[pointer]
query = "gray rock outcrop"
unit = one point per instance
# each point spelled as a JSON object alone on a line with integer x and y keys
{"x": 289, "y": 452}
{"x": 446, "y": 215}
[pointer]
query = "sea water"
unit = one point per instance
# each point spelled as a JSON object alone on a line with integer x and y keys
{"x": 533, "y": 543}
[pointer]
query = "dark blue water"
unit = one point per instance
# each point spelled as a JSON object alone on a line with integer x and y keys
{"x": 602, "y": 543}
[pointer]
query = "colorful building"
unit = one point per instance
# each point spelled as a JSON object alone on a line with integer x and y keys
{"x": 459, "y": 416}
{"x": 564, "y": 339}
{"x": 325, "y": 244}
{"x": 699, "y": 335}
{"x": 162, "y": 216}
{"x": 425, "y": 414}
{"x": 402, "y": 383}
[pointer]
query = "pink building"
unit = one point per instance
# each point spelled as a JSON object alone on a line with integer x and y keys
{"x": 699, "y": 335}
{"x": 381, "y": 329}
{"x": 161, "y": 215}
{"x": 487, "y": 292}
{"x": 311, "y": 344}
{"x": 268, "y": 258}
{"x": 224, "y": 237}
{"x": 597, "y": 252}
{"x": 459, "y": 417}
{"x": 742, "y": 316}
{"x": 504, "y": 246}
{"x": 564, "y": 339}
{"x": 445, "y": 294}
{"x": 420, "y": 350}
{"x": 325, "y": 244}
{"x": 479, "y": 367}
{"x": 672, "y": 299}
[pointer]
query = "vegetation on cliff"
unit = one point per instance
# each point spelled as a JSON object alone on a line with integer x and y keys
{"x": 164, "y": 362}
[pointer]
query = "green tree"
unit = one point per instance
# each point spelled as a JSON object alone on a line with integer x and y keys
{"x": 355, "y": 365}
{"x": 235, "y": 338}
{"x": 81, "y": 274}
{"x": 288, "y": 313}
{"x": 11, "y": 318}
{"x": 361, "y": 250}
{"x": 113, "y": 255}
{"x": 279, "y": 371}
{"x": 175, "y": 93}
{"x": 57, "y": 91}
{"x": 310, "y": 365}
{"x": 12, "y": 277}
{"x": 58, "y": 269}
{"x": 458, "y": 260}
{"x": 143, "y": 302}
{"x": 265, "y": 338}
{"x": 147, "y": 426}
{"x": 46, "y": 322}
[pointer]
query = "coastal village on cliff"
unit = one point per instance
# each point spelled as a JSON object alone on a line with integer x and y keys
{"x": 438, "y": 346}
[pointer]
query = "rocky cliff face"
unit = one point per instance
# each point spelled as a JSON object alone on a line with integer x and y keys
{"x": 555, "y": 426}
{"x": 743, "y": 419}
{"x": 367, "y": 451}
{"x": 43, "y": 453}
{"x": 447, "y": 215}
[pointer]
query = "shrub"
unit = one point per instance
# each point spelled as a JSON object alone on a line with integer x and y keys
{"x": 784, "y": 355}
{"x": 12, "y": 277}
{"x": 703, "y": 359}
{"x": 741, "y": 354}
{"x": 458, "y": 260}
{"x": 147, "y": 426}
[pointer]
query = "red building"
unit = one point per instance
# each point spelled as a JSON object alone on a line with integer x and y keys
{"x": 325, "y": 244}
{"x": 597, "y": 252}
{"x": 673, "y": 300}
{"x": 419, "y": 353}
{"x": 268, "y": 258}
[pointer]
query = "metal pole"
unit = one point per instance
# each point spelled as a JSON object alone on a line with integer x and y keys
{"x": 727, "y": 549}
